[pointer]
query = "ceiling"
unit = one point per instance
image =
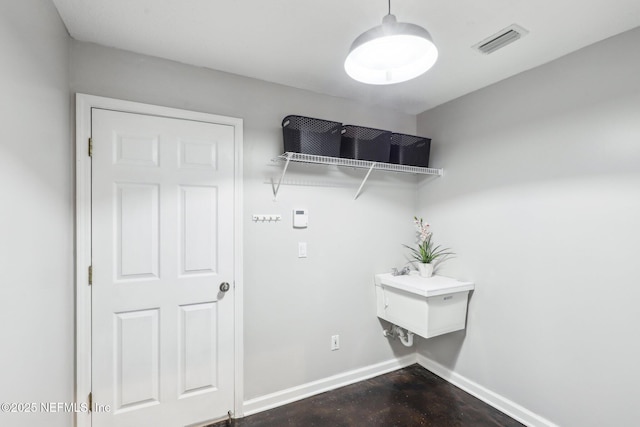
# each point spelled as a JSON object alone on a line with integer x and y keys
{"x": 303, "y": 43}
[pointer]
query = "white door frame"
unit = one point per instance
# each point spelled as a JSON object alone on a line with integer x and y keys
{"x": 84, "y": 104}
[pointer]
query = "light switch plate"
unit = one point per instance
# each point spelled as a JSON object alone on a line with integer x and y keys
{"x": 302, "y": 249}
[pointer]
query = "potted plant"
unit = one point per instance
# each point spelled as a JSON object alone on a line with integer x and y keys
{"x": 427, "y": 253}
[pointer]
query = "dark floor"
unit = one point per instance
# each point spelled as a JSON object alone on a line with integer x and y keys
{"x": 408, "y": 397}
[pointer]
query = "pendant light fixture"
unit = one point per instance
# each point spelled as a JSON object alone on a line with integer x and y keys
{"x": 390, "y": 53}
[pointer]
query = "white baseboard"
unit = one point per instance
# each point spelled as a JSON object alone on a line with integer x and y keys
{"x": 499, "y": 402}
{"x": 303, "y": 391}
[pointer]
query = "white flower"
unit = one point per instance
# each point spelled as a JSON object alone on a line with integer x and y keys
{"x": 423, "y": 229}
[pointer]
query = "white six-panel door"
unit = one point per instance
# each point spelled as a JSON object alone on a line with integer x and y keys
{"x": 162, "y": 244}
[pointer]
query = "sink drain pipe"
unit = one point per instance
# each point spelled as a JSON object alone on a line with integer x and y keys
{"x": 406, "y": 338}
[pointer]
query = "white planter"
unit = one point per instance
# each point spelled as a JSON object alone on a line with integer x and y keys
{"x": 425, "y": 270}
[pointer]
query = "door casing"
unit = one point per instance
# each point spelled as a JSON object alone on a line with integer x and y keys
{"x": 84, "y": 105}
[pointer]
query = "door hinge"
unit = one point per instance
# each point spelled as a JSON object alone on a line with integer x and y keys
{"x": 90, "y": 402}
{"x": 90, "y": 275}
{"x": 90, "y": 147}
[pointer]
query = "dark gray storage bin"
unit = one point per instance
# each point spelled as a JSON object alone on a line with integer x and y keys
{"x": 311, "y": 136}
{"x": 409, "y": 150}
{"x": 365, "y": 144}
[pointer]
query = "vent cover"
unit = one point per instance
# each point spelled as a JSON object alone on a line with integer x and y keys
{"x": 501, "y": 39}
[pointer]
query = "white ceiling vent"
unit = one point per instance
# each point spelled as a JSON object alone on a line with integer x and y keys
{"x": 501, "y": 39}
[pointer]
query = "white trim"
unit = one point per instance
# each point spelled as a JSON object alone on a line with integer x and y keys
{"x": 283, "y": 397}
{"x": 84, "y": 104}
{"x": 238, "y": 264}
{"x": 491, "y": 398}
{"x": 83, "y": 259}
{"x": 303, "y": 391}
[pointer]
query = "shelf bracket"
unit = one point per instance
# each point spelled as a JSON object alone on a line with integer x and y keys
{"x": 284, "y": 171}
{"x": 373, "y": 165}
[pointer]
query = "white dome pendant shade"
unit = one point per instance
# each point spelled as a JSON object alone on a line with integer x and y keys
{"x": 390, "y": 53}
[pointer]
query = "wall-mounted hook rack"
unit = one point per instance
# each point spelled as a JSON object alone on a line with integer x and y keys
{"x": 266, "y": 218}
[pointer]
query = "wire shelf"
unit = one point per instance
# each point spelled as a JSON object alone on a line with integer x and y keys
{"x": 361, "y": 164}
{"x": 352, "y": 163}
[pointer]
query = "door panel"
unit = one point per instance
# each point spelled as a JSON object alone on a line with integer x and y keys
{"x": 198, "y": 230}
{"x": 162, "y": 242}
{"x": 198, "y": 348}
{"x": 137, "y": 370}
{"x": 137, "y": 231}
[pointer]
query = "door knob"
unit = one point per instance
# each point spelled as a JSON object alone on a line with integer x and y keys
{"x": 224, "y": 287}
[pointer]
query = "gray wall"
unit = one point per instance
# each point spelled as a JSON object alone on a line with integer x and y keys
{"x": 292, "y": 306}
{"x": 36, "y": 219}
{"x": 541, "y": 201}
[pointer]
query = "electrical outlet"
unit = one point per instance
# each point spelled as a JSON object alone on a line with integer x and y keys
{"x": 335, "y": 342}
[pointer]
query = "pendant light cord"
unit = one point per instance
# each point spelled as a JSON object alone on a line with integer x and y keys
{"x": 389, "y": 7}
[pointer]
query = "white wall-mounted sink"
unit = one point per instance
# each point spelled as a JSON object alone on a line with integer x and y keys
{"x": 425, "y": 306}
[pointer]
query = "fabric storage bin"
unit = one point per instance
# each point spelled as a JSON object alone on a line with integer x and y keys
{"x": 365, "y": 144}
{"x": 409, "y": 150}
{"x": 311, "y": 136}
